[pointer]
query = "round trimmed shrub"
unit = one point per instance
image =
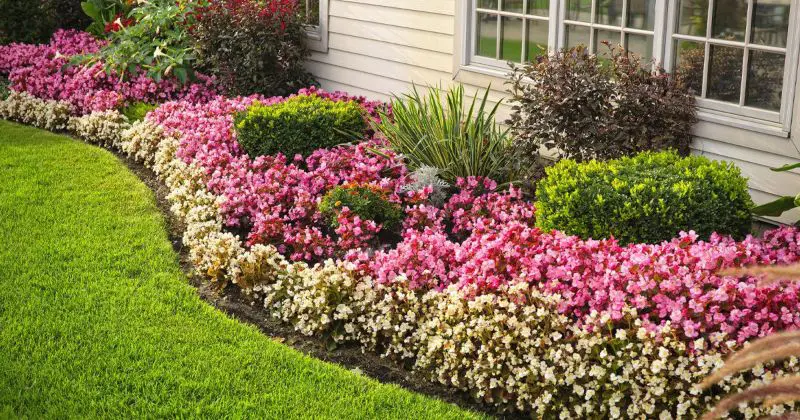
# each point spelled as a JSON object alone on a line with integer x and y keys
{"x": 298, "y": 125}
{"x": 137, "y": 111}
{"x": 367, "y": 201}
{"x": 647, "y": 198}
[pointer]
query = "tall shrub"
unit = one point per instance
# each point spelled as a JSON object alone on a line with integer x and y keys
{"x": 650, "y": 198}
{"x": 253, "y": 46}
{"x": 584, "y": 107}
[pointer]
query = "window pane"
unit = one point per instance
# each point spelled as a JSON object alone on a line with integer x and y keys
{"x": 576, "y": 35}
{"x": 488, "y": 4}
{"x": 512, "y": 39}
{"x": 609, "y": 12}
{"x": 730, "y": 20}
{"x": 309, "y": 12}
{"x": 641, "y": 14}
{"x": 513, "y": 6}
{"x": 692, "y": 17}
{"x": 641, "y": 45}
{"x": 689, "y": 59}
{"x": 725, "y": 73}
{"x": 770, "y": 22}
{"x": 580, "y": 10}
{"x": 600, "y": 35}
{"x": 537, "y": 39}
{"x": 539, "y": 7}
{"x": 764, "y": 80}
{"x": 486, "y": 42}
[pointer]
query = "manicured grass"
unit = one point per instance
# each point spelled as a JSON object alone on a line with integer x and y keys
{"x": 98, "y": 321}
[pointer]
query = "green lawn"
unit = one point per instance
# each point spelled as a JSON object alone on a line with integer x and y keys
{"x": 98, "y": 321}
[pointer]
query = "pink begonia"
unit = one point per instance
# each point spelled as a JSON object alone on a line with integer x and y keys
{"x": 43, "y": 71}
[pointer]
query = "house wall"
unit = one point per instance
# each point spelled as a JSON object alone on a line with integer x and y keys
{"x": 377, "y": 48}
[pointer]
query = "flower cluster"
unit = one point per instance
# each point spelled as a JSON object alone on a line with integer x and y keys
{"x": 44, "y": 71}
{"x": 47, "y": 114}
{"x": 273, "y": 198}
{"x": 104, "y": 128}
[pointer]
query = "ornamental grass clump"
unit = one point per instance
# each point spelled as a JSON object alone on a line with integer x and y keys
{"x": 299, "y": 126}
{"x": 458, "y": 138}
{"x": 648, "y": 198}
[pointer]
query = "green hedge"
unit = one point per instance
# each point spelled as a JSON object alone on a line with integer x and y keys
{"x": 649, "y": 198}
{"x": 299, "y": 125}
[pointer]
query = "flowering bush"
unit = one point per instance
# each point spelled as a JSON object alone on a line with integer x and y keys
{"x": 157, "y": 45}
{"x": 363, "y": 201}
{"x": 47, "y": 114}
{"x": 104, "y": 128}
{"x": 253, "y": 46}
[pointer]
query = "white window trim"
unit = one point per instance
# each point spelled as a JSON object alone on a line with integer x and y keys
{"x": 317, "y": 35}
{"x": 749, "y": 118}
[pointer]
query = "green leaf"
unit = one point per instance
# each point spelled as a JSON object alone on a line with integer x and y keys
{"x": 777, "y": 207}
{"x": 181, "y": 74}
{"x": 787, "y": 167}
{"x": 91, "y": 11}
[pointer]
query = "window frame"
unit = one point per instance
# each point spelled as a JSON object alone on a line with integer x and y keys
{"x": 781, "y": 119}
{"x": 317, "y": 35}
{"x": 665, "y": 21}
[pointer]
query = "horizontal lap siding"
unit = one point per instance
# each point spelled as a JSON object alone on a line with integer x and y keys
{"x": 379, "y": 47}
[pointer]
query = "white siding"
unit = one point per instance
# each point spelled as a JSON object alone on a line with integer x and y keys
{"x": 378, "y": 48}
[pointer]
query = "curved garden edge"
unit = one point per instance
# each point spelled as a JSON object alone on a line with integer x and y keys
{"x": 98, "y": 319}
{"x": 231, "y": 300}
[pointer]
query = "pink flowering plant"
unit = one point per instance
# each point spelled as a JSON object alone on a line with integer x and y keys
{"x": 44, "y": 72}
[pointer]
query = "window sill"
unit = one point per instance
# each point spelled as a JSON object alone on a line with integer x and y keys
{"x": 315, "y": 40}
{"x": 485, "y": 70}
{"x": 742, "y": 122}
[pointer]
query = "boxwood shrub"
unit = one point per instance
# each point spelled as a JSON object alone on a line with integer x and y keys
{"x": 137, "y": 111}
{"x": 648, "y": 198}
{"x": 298, "y": 125}
{"x": 369, "y": 202}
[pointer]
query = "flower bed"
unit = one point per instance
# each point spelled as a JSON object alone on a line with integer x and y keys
{"x": 40, "y": 71}
{"x": 470, "y": 292}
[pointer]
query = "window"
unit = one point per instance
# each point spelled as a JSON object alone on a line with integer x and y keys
{"x": 733, "y": 52}
{"x": 630, "y": 23}
{"x": 309, "y": 12}
{"x": 314, "y": 13}
{"x": 510, "y": 30}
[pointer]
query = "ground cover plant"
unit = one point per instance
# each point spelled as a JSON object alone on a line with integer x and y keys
{"x": 472, "y": 293}
{"x": 99, "y": 321}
